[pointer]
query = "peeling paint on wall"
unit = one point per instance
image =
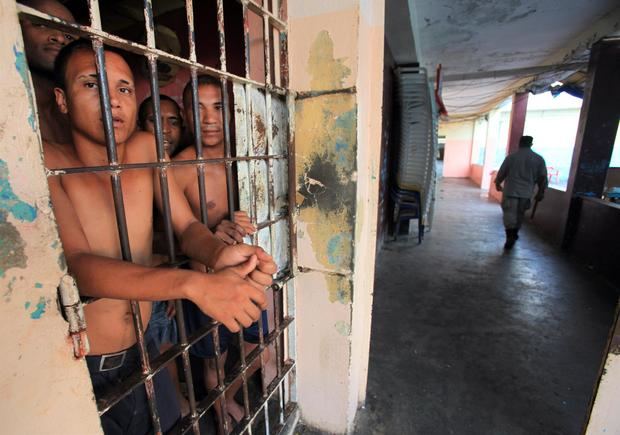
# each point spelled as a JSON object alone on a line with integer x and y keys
{"x": 22, "y": 68}
{"x": 326, "y": 142}
{"x": 39, "y": 309}
{"x": 9, "y": 202}
{"x": 340, "y": 289}
{"x": 326, "y": 71}
{"x": 11, "y": 243}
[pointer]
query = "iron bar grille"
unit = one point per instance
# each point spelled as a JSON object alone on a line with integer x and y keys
{"x": 262, "y": 160}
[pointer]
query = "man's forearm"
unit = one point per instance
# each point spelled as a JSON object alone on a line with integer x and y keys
{"x": 104, "y": 277}
{"x": 199, "y": 243}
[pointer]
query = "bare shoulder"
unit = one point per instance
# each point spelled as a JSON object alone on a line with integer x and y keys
{"x": 141, "y": 148}
{"x": 59, "y": 155}
{"x": 188, "y": 153}
{"x": 185, "y": 173}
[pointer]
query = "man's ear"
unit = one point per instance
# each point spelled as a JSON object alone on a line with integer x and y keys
{"x": 61, "y": 100}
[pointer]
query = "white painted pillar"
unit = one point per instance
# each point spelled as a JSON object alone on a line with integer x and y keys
{"x": 44, "y": 389}
{"x": 336, "y": 65}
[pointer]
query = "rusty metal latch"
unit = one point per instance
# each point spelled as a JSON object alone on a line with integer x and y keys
{"x": 74, "y": 313}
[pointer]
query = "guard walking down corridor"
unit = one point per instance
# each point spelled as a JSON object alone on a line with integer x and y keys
{"x": 520, "y": 172}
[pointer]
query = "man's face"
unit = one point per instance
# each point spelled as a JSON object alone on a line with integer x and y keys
{"x": 81, "y": 97}
{"x": 42, "y": 43}
{"x": 170, "y": 122}
{"x": 211, "y": 124}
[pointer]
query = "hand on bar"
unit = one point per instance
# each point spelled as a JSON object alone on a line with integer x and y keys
{"x": 234, "y": 232}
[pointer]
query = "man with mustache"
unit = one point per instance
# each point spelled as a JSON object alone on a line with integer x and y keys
{"x": 42, "y": 45}
{"x": 84, "y": 210}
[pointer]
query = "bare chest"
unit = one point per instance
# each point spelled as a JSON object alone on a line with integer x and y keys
{"x": 216, "y": 193}
{"x": 93, "y": 201}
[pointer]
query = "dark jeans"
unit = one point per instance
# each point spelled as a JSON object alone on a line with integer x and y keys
{"x": 131, "y": 415}
{"x": 205, "y": 348}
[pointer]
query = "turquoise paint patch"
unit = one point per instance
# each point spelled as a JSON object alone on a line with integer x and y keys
{"x": 347, "y": 120}
{"x": 27, "y": 305}
{"x": 341, "y": 146}
{"x": 335, "y": 246}
{"x": 38, "y": 285}
{"x": 9, "y": 202}
{"x": 332, "y": 249}
{"x": 22, "y": 68}
{"x": 40, "y": 309}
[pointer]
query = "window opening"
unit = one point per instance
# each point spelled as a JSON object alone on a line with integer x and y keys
{"x": 264, "y": 176}
{"x": 553, "y": 121}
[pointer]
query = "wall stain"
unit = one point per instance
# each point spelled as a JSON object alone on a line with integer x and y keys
{"x": 343, "y": 328}
{"x": 9, "y": 290}
{"x": 12, "y": 246}
{"x": 12, "y": 252}
{"x": 337, "y": 247}
{"x": 22, "y": 68}
{"x": 326, "y": 146}
{"x": 9, "y": 202}
{"x": 326, "y": 71}
{"x": 339, "y": 288}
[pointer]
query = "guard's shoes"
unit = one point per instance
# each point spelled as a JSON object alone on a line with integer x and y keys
{"x": 511, "y": 237}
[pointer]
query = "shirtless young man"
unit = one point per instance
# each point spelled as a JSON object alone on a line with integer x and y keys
{"x": 163, "y": 326}
{"x": 84, "y": 211}
{"x": 42, "y": 45}
{"x": 171, "y": 121}
{"x": 212, "y": 135}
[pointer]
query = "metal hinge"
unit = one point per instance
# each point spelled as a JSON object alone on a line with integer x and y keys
{"x": 74, "y": 313}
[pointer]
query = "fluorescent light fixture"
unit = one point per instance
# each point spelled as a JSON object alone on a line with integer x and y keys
{"x": 556, "y": 84}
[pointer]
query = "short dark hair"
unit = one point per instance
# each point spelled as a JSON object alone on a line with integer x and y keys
{"x": 62, "y": 60}
{"x": 148, "y": 102}
{"x": 203, "y": 79}
{"x": 526, "y": 141}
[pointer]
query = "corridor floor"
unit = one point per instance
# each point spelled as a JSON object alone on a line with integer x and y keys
{"x": 467, "y": 339}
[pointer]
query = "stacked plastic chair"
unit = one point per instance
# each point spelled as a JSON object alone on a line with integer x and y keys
{"x": 414, "y": 193}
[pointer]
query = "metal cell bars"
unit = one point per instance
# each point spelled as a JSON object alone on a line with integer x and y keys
{"x": 115, "y": 168}
{"x": 261, "y": 130}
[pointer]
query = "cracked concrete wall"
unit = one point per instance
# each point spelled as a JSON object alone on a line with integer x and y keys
{"x": 336, "y": 66}
{"x": 37, "y": 366}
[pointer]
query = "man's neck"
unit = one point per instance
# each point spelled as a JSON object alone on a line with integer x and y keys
{"x": 91, "y": 153}
{"x": 213, "y": 151}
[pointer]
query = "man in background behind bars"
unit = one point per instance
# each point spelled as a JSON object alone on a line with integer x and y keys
{"x": 85, "y": 213}
{"x": 42, "y": 45}
{"x": 520, "y": 172}
{"x": 211, "y": 126}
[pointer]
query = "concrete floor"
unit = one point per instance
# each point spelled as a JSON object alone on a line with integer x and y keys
{"x": 469, "y": 340}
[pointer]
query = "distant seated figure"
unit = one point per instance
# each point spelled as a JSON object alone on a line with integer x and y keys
{"x": 171, "y": 121}
{"x": 520, "y": 172}
{"x": 42, "y": 45}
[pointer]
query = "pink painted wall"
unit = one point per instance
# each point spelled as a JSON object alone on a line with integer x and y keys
{"x": 493, "y": 192}
{"x": 457, "y": 154}
{"x": 476, "y": 174}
